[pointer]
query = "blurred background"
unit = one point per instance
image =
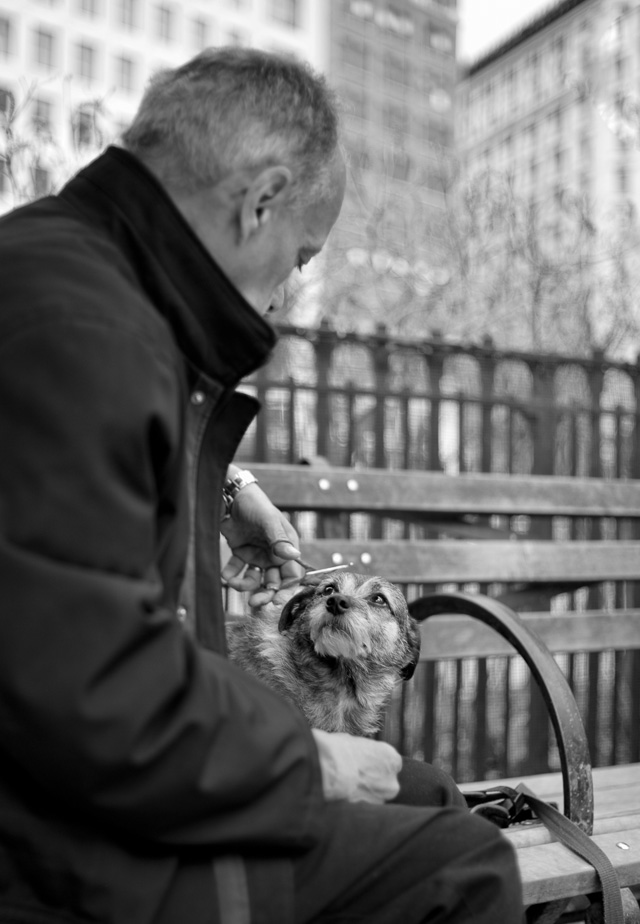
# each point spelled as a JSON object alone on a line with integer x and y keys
{"x": 492, "y": 148}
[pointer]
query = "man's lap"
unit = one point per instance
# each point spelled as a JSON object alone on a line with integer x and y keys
{"x": 397, "y": 863}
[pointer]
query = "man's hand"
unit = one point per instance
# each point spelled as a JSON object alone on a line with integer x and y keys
{"x": 357, "y": 769}
{"x": 264, "y": 546}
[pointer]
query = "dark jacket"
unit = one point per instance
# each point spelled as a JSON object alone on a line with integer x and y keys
{"x": 130, "y": 755}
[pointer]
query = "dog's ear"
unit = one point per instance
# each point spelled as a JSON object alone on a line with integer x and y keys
{"x": 294, "y": 607}
{"x": 413, "y": 641}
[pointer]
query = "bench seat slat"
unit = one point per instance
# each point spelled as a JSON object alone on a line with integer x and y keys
{"x": 441, "y": 561}
{"x": 623, "y": 778}
{"x": 535, "y": 833}
{"x": 552, "y": 871}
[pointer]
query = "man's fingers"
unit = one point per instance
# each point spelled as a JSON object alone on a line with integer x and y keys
{"x": 250, "y": 581}
{"x": 286, "y": 550}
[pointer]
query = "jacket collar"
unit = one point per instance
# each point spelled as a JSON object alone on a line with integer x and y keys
{"x": 216, "y": 328}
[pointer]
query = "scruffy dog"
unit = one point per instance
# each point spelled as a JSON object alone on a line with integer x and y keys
{"x": 335, "y": 649}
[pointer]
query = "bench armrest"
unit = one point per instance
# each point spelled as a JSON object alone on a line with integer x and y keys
{"x": 575, "y": 759}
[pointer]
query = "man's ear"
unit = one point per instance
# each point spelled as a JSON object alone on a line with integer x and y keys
{"x": 267, "y": 191}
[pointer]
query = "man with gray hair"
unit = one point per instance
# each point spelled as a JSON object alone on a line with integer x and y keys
{"x": 144, "y": 779}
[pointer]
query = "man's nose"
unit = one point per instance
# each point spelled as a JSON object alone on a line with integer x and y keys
{"x": 278, "y": 298}
{"x": 337, "y": 604}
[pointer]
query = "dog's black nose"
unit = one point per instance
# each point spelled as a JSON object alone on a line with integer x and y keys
{"x": 337, "y": 604}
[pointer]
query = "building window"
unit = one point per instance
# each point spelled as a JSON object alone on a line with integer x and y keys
{"x": 164, "y": 23}
{"x": 438, "y": 133}
{"x": 125, "y": 74}
{"x": 6, "y": 37}
{"x": 559, "y": 54}
{"x": 286, "y": 12}
{"x": 85, "y": 56}
{"x": 397, "y": 69}
{"x": 44, "y": 48}
{"x": 535, "y": 72}
{"x": 440, "y": 100}
{"x": 354, "y": 52}
{"x": 623, "y": 181}
{"x": 395, "y": 118}
{"x": 5, "y": 182}
{"x": 237, "y": 38}
{"x": 200, "y": 33}
{"x": 400, "y": 165}
{"x": 85, "y": 128}
{"x": 439, "y": 40}
{"x": 88, "y": 8}
{"x": 42, "y": 115}
{"x": 7, "y": 104}
{"x": 127, "y": 13}
{"x": 355, "y": 102}
{"x": 41, "y": 181}
{"x": 363, "y": 9}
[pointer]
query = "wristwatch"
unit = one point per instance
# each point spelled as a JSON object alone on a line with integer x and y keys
{"x": 232, "y": 487}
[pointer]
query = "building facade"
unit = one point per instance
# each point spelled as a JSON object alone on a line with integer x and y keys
{"x": 394, "y": 67}
{"x": 556, "y": 105}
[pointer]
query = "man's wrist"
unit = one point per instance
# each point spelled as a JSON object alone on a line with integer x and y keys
{"x": 233, "y": 485}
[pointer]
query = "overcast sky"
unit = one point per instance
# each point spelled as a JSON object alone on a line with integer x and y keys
{"x": 483, "y": 23}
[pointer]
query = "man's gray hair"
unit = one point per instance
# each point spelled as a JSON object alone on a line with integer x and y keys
{"x": 237, "y": 108}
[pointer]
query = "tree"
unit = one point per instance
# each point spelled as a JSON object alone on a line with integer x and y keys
{"x": 469, "y": 258}
{"x": 36, "y": 157}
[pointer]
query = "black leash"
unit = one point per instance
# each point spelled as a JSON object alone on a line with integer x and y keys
{"x": 506, "y": 806}
{"x": 575, "y": 838}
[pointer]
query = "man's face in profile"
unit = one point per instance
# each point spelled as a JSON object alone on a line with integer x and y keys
{"x": 291, "y": 237}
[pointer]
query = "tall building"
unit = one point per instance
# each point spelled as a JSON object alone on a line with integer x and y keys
{"x": 394, "y": 66}
{"x": 537, "y": 107}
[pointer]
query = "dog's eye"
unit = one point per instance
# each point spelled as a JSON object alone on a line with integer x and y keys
{"x": 328, "y": 590}
{"x": 379, "y": 600}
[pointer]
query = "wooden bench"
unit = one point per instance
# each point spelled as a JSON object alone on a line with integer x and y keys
{"x": 525, "y": 540}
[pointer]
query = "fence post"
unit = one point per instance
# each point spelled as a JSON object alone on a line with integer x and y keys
{"x": 487, "y": 373}
{"x": 544, "y": 417}
{"x": 262, "y": 420}
{"x": 594, "y": 594}
{"x": 635, "y": 587}
{"x": 381, "y": 371}
{"x": 324, "y": 344}
{"x": 435, "y": 372}
{"x": 541, "y": 528}
{"x": 596, "y": 381}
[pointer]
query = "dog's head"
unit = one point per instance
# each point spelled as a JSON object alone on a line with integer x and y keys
{"x": 356, "y": 617}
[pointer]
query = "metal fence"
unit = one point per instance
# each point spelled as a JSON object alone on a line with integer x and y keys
{"x": 384, "y": 402}
{"x": 377, "y": 401}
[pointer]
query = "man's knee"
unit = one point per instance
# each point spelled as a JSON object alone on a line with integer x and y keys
{"x": 424, "y": 784}
{"x": 480, "y": 870}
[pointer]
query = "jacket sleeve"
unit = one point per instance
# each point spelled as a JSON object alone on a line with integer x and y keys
{"x": 105, "y": 702}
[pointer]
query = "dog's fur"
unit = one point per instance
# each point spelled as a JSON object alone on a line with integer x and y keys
{"x": 336, "y": 649}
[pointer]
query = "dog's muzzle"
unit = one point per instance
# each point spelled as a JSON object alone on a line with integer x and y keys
{"x": 337, "y": 604}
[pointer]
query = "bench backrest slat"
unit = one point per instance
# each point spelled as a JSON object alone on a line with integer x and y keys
{"x": 453, "y": 636}
{"x": 300, "y": 487}
{"x": 448, "y": 561}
